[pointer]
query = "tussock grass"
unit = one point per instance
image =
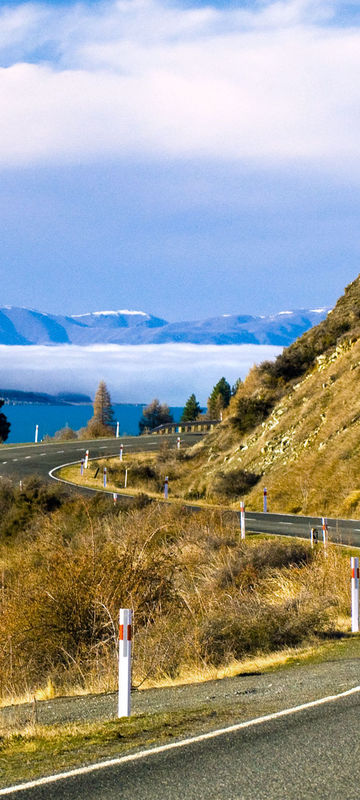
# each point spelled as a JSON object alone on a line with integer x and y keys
{"x": 202, "y": 599}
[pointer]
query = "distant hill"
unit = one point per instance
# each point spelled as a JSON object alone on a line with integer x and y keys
{"x": 293, "y": 426}
{"x": 62, "y": 399}
{"x": 23, "y": 326}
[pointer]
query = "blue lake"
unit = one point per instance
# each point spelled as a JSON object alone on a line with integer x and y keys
{"x": 24, "y": 418}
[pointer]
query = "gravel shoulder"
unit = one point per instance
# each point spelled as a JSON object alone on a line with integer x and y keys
{"x": 248, "y": 694}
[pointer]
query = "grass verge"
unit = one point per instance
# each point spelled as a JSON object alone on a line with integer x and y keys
{"x": 38, "y": 750}
{"x": 41, "y": 750}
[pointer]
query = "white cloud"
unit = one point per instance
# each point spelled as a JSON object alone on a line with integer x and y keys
{"x": 142, "y": 78}
{"x": 133, "y": 373}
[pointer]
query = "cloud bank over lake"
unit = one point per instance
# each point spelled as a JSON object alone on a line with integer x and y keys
{"x": 134, "y": 374}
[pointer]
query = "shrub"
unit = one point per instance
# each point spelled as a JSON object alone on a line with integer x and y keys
{"x": 249, "y": 412}
{"x": 235, "y": 482}
{"x": 249, "y": 627}
{"x": 198, "y": 594}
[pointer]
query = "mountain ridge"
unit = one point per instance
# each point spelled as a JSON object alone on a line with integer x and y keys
{"x": 26, "y": 326}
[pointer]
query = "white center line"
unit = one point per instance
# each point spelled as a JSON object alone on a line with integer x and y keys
{"x": 27, "y": 457}
{"x": 60, "y": 451}
{"x": 285, "y": 523}
{"x": 4, "y": 462}
{"x": 43, "y": 454}
{"x": 15, "y": 459}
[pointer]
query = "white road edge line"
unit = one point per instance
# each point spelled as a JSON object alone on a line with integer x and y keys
{"x": 78, "y": 485}
{"x": 113, "y": 762}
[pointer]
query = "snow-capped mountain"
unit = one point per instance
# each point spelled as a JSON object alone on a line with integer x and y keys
{"x": 24, "y": 326}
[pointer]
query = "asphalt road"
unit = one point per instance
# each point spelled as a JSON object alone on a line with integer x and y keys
{"x": 19, "y": 461}
{"x": 313, "y": 754}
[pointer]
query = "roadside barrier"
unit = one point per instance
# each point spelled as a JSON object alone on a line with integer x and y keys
{"x": 86, "y": 459}
{"x": 121, "y": 452}
{"x": 242, "y": 519}
{"x": 166, "y": 488}
{"x": 265, "y": 500}
{"x": 125, "y": 636}
{"x": 354, "y": 567}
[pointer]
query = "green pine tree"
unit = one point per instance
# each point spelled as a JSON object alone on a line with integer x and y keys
{"x": 219, "y": 398}
{"x": 191, "y": 410}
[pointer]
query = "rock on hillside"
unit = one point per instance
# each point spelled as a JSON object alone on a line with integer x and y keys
{"x": 295, "y": 424}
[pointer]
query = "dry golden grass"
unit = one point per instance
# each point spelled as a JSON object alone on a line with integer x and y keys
{"x": 202, "y": 599}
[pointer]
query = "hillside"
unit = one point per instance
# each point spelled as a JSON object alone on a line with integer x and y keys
{"x": 294, "y": 425}
{"x": 15, "y": 396}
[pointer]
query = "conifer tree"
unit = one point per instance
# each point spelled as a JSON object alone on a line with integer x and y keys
{"x": 102, "y": 423}
{"x": 219, "y": 398}
{"x": 103, "y": 411}
{"x": 191, "y": 410}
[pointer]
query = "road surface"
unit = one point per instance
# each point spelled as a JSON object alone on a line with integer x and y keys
{"x": 20, "y": 461}
{"x": 312, "y": 754}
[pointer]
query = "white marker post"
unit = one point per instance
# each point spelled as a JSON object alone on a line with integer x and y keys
{"x": 125, "y": 482}
{"x": 178, "y": 442}
{"x": 36, "y": 433}
{"x": 242, "y": 519}
{"x": 265, "y": 500}
{"x": 86, "y": 459}
{"x": 354, "y": 563}
{"x": 114, "y": 498}
{"x": 117, "y": 429}
{"x": 166, "y": 488}
{"x": 21, "y": 486}
{"x": 125, "y": 619}
{"x": 121, "y": 452}
{"x": 105, "y": 477}
{"x": 325, "y": 532}
{"x": 82, "y": 466}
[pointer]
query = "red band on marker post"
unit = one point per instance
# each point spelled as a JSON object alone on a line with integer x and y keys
{"x": 121, "y": 633}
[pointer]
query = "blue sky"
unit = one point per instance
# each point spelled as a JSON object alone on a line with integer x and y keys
{"x": 187, "y": 159}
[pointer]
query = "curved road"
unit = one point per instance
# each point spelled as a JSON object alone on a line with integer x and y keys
{"x": 310, "y": 754}
{"x": 20, "y": 461}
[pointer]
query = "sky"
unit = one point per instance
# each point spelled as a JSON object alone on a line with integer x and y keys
{"x": 187, "y": 159}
